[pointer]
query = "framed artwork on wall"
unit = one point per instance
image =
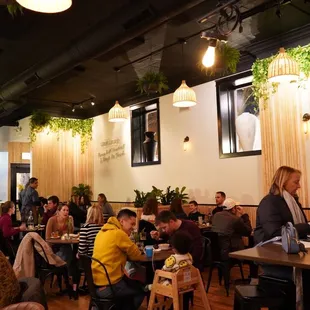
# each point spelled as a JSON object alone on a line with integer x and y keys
{"x": 238, "y": 117}
{"x": 145, "y": 134}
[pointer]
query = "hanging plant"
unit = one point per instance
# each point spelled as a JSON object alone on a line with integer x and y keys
{"x": 260, "y": 70}
{"x": 152, "y": 83}
{"x": 226, "y": 61}
{"x": 40, "y": 120}
{"x": 14, "y": 9}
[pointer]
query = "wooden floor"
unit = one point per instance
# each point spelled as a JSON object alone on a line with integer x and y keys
{"x": 217, "y": 296}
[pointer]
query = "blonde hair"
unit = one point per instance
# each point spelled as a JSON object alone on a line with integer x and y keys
{"x": 94, "y": 215}
{"x": 280, "y": 178}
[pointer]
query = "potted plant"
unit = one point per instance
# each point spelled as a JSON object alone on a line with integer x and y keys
{"x": 152, "y": 83}
{"x": 167, "y": 197}
{"x": 82, "y": 190}
{"x": 180, "y": 194}
{"x": 141, "y": 198}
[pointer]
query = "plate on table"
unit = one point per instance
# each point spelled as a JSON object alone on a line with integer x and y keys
{"x": 55, "y": 237}
{"x": 164, "y": 246}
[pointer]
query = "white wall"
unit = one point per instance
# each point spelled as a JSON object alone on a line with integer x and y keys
{"x": 199, "y": 169}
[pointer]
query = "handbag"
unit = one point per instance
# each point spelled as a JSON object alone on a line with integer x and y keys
{"x": 290, "y": 240}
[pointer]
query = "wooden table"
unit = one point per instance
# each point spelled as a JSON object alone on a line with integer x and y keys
{"x": 59, "y": 241}
{"x": 206, "y": 227}
{"x": 158, "y": 256}
{"x": 273, "y": 254}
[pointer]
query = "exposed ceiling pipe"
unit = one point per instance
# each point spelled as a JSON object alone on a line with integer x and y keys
{"x": 118, "y": 29}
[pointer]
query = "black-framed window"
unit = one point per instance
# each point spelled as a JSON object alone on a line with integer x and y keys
{"x": 238, "y": 117}
{"x": 145, "y": 134}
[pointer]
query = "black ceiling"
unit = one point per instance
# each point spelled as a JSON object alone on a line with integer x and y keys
{"x": 50, "y": 62}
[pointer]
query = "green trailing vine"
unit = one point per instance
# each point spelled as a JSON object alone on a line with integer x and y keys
{"x": 260, "y": 70}
{"x": 40, "y": 120}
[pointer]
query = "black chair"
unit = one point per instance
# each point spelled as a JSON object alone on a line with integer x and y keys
{"x": 223, "y": 266}
{"x": 44, "y": 269}
{"x": 95, "y": 301}
{"x": 252, "y": 297}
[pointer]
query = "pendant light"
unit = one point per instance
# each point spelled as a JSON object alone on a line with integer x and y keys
{"x": 46, "y": 6}
{"x": 184, "y": 96}
{"x": 209, "y": 57}
{"x": 283, "y": 68}
{"x": 117, "y": 113}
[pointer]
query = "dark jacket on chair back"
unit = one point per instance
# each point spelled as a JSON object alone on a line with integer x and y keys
{"x": 272, "y": 213}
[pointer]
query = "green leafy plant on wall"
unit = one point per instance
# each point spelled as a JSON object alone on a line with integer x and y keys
{"x": 40, "y": 120}
{"x": 226, "y": 60}
{"x": 152, "y": 82}
{"x": 260, "y": 70}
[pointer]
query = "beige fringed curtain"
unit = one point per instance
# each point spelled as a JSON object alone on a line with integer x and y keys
{"x": 283, "y": 140}
{"x": 58, "y": 164}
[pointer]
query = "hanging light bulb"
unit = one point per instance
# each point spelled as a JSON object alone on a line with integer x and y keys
{"x": 209, "y": 57}
{"x": 306, "y": 119}
{"x": 46, "y": 6}
{"x": 117, "y": 114}
{"x": 283, "y": 68}
{"x": 184, "y": 96}
{"x": 92, "y": 103}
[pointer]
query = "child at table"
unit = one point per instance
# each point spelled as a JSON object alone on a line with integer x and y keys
{"x": 180, "y": 242}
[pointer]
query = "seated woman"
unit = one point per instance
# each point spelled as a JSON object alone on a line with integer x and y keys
{"x": 276, "y": 209}
{"x": 106, "y": 208}
{"x": 177, "y": 209}
{"x": 62, "y": 223}
{"x": 89, "y": 230}
{"x": 150, "y": 210}
{"x": 8, "y": 208}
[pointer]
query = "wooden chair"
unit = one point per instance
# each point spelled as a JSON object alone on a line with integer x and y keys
{"x": 184, "y": 280}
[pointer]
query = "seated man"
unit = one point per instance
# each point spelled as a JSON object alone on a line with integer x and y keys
{"x": 219, "y": 200}
{"x": 113, "y": 248}
{"x": 169, "y": 224}
{"x": 194, "y": 212}
{"x": 50, "y": 209}
{"x": 231, "y": 223}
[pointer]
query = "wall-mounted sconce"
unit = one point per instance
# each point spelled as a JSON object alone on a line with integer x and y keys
{"x": 306, "y": 119}
{"x": 186, "y": 143}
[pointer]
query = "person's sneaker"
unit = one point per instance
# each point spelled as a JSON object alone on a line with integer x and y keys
{"x": 148, "y": 288}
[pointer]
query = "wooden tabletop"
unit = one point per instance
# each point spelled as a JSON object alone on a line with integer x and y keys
{"x": 204, "y": 226}
{"x": 273, "y": 254}
{"x": 158, "y": 256}
{"x": 59, "y": 241}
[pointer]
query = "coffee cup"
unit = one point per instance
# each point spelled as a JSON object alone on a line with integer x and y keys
{"x": 149, "y": 251}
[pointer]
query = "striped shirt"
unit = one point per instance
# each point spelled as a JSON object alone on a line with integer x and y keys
{"x": 88, "y": 234}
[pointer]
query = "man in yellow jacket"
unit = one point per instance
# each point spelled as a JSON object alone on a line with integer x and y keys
{"x": 113, "y": 248}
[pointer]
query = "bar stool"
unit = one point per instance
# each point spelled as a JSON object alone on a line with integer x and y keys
{"x": 252, "y": 297}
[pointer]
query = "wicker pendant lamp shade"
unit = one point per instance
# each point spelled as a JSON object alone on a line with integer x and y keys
{"x": 283, "y": 68}
{"x": 46, "y": 6}
{"x": 117, "y": 114}
{"x": 184, "y": 96}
